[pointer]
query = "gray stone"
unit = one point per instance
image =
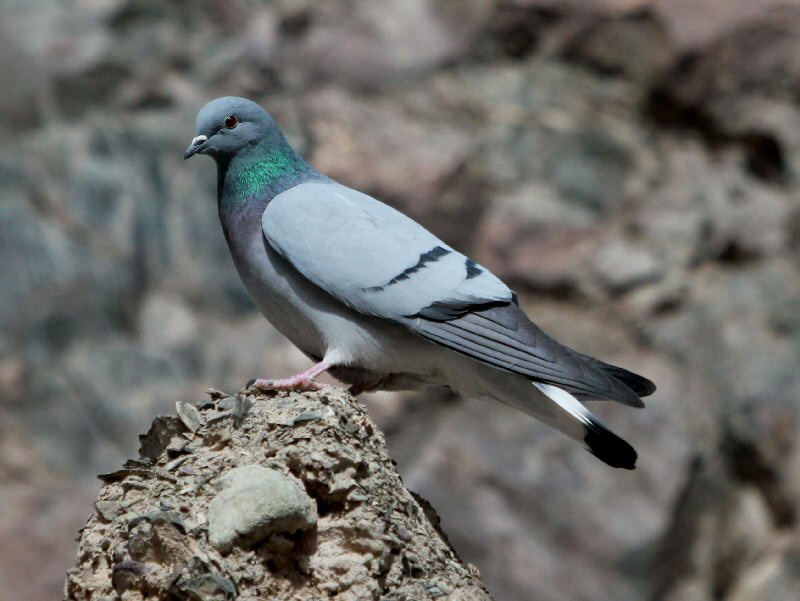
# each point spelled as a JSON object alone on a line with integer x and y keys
{"x": 189, "y": 415}
{"x": 254, "y": 503}
{"x": 621, "y": 266}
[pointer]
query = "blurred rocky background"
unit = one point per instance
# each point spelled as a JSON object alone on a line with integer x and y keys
{"x": 630, "y": 167}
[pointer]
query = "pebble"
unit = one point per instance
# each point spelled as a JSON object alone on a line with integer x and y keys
{"x": 255, "y": 502}
{"x": 189, "y": 415}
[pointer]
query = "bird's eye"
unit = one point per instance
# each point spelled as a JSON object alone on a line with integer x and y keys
{"x": 231, "y": 121}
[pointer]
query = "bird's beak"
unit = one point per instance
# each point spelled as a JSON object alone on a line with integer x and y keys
{"x": 195, "y": 147}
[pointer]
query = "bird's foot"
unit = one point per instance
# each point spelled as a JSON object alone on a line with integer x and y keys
{"x": 298, "y": 383}
{"x": 302, "y": 382}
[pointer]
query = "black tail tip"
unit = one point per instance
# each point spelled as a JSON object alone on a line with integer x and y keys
{"x": 609, "y": 448}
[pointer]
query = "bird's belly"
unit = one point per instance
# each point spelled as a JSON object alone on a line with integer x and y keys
{"x": 321, "y": 326}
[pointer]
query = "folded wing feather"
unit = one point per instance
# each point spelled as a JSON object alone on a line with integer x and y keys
{"x": 379, "y": 262}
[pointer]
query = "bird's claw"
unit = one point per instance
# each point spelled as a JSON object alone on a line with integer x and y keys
{"x": 295, "y": 384}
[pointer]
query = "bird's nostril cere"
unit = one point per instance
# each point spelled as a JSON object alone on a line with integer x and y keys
{"x": 194, "y": 147}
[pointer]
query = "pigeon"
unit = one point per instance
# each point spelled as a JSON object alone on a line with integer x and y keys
{"x": 381, "y": 303}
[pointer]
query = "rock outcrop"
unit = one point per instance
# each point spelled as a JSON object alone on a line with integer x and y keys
{"x": 288, "y": 497}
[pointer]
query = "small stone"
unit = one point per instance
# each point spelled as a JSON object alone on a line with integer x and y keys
{"x": 208, "y": 587}
{"x": 307, "y": 416}
{"x": 189, "y": 415}
{"x": 129, "y": 475}
{"x": 241, "y": 406}
{"x": 169, "y": 517}
{"x": 205, "y": 405}
{"x": 216, "y": 394}
{"x": 254, "y": 503}
{"x": 438, "y": 589}
{"x": 175, "y": 463}
{"x": 108, "y": 509}
{"x": 226, "y": 403}
{"x": 280, "y": 420}
{"x": 177, "y": 446}
{"x": 126, "y": 574}
{"x": 158, "y": 537}
{"x": 217, "y": 416}
{"x": 159, "y": 436}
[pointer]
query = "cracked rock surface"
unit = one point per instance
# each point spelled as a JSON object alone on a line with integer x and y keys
{"x": 289, "y": 497}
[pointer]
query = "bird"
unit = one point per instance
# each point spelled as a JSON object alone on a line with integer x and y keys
{"x": 380, "y": 302}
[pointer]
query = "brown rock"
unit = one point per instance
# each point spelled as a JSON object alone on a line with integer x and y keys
{"x": 371, "y": 536}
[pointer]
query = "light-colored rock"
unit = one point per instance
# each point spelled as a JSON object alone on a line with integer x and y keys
{"x": 256, "y": 502}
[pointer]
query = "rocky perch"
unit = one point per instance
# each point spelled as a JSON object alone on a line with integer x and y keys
{"x": 288, "y": 497}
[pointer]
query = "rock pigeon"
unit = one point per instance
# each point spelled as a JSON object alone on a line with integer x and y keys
{"x": 379, "y": 301}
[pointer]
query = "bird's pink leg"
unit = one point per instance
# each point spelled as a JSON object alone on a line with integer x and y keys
{"x": 299, "y": 383}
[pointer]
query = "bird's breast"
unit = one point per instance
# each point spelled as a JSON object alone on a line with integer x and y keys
{"x": 273, "y": 284}
{"x": 316, "y": 322}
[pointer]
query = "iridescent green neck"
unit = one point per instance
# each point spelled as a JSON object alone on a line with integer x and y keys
{"x": 258, "y": 173}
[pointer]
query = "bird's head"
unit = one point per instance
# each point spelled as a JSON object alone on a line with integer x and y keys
{"x": 229, "y": 125}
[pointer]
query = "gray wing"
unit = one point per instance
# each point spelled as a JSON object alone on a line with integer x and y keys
{"x": 370, "y": 256}
{"x": 503, "y": 336}
{"x": 380, "y": 262}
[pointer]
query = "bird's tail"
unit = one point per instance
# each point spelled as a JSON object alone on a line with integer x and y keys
{"x": 576, "y": 421}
